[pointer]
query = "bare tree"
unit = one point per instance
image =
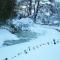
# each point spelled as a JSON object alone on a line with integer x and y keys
{"x": 30, "y": 6}
{"x": 36, "y": 10}
{"x": 51, "y": 0}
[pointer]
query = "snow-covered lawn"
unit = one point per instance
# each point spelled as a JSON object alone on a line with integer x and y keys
{"x": 46, "y": 44}
{"x": 44, "y": 52}
{"x": 57, "y": 28}
{"x": 6, "y": 35}
{"x": 40, "y": 48}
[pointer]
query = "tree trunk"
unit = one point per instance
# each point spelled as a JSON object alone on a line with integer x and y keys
{"x": 30, "y": 6}
{"x": 36, "y": 11}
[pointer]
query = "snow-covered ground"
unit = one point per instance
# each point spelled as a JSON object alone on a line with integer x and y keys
{"x": 45, "y": 46}
{"x": 40, "y": 48}
{"x": 21, "y": 51}
{"x": 6, "y": 35}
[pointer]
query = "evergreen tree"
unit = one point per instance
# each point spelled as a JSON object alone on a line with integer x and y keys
{"x": 6, "y": 9}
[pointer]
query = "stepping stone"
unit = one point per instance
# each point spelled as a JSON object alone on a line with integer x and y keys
{"x": 54, "y": 41}
{"x": 48, "y": 43}
{"x": 43, "y": 44}
{"x": 19, "y": 53}
{"x": 29, "y": 48}
{"x": 6, "y": 58}
{"x": 25, "y": 51}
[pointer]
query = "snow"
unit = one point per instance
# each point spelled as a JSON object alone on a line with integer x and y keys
{"x": 39, "y": 49}
{"x": 6, "y": 35}
{"x": 47, "y": 13}
{"x": 17, "y": 1}
{"x": 56, "y": 22}
{"x": 43, "y": 53}
{"x": 57, "y": 0}
{"x": 47, "y": 2}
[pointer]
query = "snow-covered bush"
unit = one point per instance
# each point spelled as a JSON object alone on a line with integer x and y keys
{"x": 21, "y": 24}
{"x": 48, "y": 12}
{"x": 44, "y": 12}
